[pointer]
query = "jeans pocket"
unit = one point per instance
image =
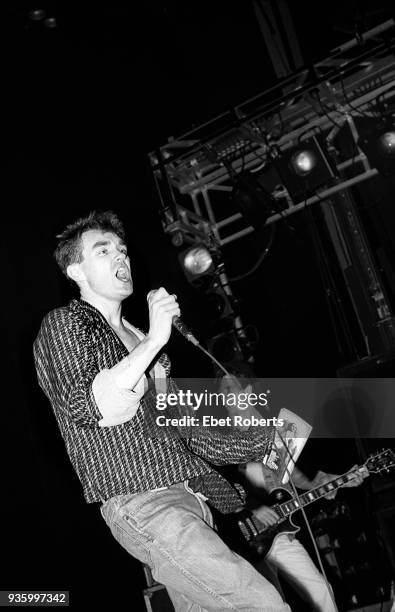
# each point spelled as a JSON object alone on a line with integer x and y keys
{"x": 136, "y": 503}
{"x": 134, "y": 540}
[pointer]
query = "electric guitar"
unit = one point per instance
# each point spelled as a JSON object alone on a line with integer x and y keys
{"x": 249, "y": 537}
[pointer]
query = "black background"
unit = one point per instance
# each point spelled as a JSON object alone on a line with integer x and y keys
{"x": 83, "y": 104}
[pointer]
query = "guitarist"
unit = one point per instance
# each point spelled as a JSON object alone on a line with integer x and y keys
{"x": 287, "y": 555}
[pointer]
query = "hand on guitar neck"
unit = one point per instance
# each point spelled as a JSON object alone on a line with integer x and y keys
{"x": 355, "y": 477}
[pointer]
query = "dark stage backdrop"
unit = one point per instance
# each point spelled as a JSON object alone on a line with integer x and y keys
{"x": 82, "y": 110}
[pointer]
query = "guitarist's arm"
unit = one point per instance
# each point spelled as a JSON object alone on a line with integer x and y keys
{"x": 259, "y": 476}
{"x": 268, "y": 517}
{"x": 357, "y": 475}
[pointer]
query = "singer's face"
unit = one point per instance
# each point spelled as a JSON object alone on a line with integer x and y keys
{"x": 105, "y": 266}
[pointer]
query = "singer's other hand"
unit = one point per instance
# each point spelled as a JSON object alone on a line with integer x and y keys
{"x": 162, "y": 308}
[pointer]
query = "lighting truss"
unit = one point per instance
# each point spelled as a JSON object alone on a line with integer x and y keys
{"x": 193, "y": 170}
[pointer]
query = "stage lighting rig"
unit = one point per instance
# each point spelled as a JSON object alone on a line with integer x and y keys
{"x": 197, "y": 261}
{"x": 306, "y": 167}
{"x": 204, "y": 270}
{"x": 39, "y": 16}
{"x": 377, "y": 141}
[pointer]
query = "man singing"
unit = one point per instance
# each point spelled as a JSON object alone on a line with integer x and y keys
{"x": 101, "y": 376}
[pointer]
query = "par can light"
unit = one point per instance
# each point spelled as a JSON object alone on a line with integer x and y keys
{"x": 387, "y": 143}
{"x": 303, "y": 162}
{"x": 377, "y": 141}
{"x": 197, "y": 260}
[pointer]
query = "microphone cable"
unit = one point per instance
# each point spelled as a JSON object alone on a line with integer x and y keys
{"x": 181, "y": 327}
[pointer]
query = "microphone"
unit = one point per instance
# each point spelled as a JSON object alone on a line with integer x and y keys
{"x": 184, "y": 331}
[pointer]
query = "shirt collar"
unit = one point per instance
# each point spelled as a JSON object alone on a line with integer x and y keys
{"x": 88, "y": 314}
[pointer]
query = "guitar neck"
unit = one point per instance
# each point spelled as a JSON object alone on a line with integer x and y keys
{"x": 287, "y": 508}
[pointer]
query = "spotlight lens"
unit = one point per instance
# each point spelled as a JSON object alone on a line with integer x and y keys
{"x": 37, "y": 14}
{"x": 198, "y": 260}
{"x": 387, "y": 142}
{"x": 303, "y": 162}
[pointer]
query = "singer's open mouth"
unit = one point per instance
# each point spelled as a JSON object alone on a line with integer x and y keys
{"x": 122, "y": 274}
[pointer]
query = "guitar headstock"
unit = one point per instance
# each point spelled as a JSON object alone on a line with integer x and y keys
{"x": 380, "y": 462}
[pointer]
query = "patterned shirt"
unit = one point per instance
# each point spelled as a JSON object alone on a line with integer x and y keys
{"x": 74, "y": 344}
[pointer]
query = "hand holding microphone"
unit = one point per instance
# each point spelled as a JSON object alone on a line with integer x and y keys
{"x": 162, "y": 303}
{"x": 164, "y": 312}
{"x": 162, "y": 308}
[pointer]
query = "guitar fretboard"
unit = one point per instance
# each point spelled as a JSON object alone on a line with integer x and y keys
{"x": 286, "y": 508}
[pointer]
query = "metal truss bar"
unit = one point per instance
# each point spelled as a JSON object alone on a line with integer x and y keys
{"x": 383, "y": 27}
{"x": 210, "y": 213}
{"x": 221, "y": 187}
{"x": 196, "y": 204}
{"x": 319, "y": 123}
{"x": 350, "y": 162}
{"x": 228, "y": 220}
{"x": 237, "y": 235}
{"x": 346, "y": 68}
{"x": 272, "y": 36}
{"x": 191, "y": 162}
{"x": 290, "y": 33}
{"x": 284, "y": 104}
{"x": 369, "y": 53}
{"x": 308, "y": 202}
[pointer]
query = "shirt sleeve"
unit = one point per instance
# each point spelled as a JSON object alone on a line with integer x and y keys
{"x": 115, "y": 404}
{"x": 69, "y": 375}
{"x": 66, "y": 369}
{"x": 221, "y": 447}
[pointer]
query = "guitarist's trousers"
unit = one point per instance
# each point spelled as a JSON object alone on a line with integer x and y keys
{"x": 171, "y": 531}
{"x": 295, "y": 565}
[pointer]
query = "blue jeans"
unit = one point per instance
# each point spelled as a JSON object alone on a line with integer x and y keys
{"x": 171, "y": 531}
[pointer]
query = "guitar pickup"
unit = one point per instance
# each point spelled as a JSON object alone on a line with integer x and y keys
{"x": 246, "y": 533}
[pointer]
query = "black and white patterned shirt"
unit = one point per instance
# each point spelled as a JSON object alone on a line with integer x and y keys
{"x": 74, "y": 344}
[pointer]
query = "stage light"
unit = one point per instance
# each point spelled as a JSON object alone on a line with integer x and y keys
{"x": 305, "y": 167}
{"x": 303, "y": 162}
{"x": 197, "y": 264}
{"x": 198, "y": 261}
{"x": 51, "y": 23}
{"x": 377, "y": 141}
{"x": 177, "y": 239}
{"x": 37, "y": 14}
{"x": 387, "y": 143}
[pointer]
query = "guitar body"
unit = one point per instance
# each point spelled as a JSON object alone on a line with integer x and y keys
{"x": 247, "y": 536}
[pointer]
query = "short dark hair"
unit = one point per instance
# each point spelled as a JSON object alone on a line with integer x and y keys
{"x": 69, "y": 249}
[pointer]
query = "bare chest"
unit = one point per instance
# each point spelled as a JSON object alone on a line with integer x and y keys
{"x": 128, "y": 338}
